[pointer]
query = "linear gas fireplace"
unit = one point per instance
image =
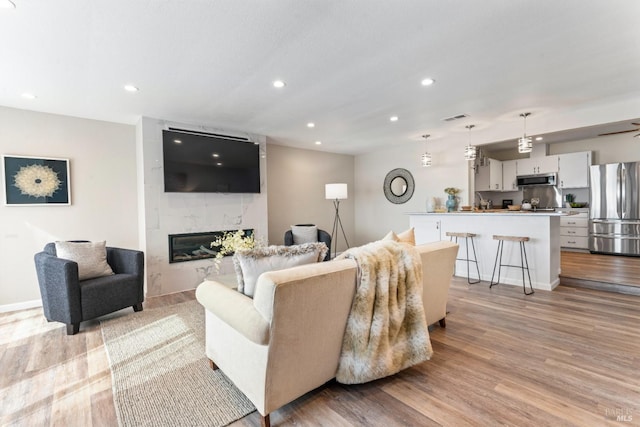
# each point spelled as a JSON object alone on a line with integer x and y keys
{"x": 195, "y": 246}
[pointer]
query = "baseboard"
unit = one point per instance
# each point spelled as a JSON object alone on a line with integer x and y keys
{"x": 20, "y": 306}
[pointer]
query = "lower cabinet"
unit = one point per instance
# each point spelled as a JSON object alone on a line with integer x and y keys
{"x": 574, "y": 230}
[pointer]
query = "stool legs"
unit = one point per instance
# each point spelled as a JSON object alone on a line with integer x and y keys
{"x": 497, "y": 263}
{"x": 467, "y": 259}
{"x": 524, "y": 265}
{"x": 523, "y": 255}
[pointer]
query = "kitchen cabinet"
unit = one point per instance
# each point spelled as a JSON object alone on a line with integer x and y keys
{"x": 574, "y": 229}
{"x": 426, "y": 228}
{"x": 537, "y": 165}
{"x": 573, "y": 170}
{"x": 489, "y": 175}
{"x": 509, "y": 174}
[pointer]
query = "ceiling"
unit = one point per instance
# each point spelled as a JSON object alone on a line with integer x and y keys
{"x": 348, "y": 66}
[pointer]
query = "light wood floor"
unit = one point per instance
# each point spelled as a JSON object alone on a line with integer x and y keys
{"x": 622, "y": 270}
{"x": 566, "y": 357}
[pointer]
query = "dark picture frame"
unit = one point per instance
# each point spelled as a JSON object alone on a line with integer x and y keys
{"x": 36, "y": 181}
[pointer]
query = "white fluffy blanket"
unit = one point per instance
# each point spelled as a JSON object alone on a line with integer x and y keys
{"x": 386, "y": 330}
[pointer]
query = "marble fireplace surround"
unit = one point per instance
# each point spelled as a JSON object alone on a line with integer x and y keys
{"x": 196, "y": 246}
{"x": 161, "y": 214}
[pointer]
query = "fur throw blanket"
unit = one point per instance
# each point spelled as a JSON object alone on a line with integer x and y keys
{"x": 386, "y": 330}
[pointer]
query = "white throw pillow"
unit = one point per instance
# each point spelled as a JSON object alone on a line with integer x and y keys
{"x": 304, "y": 234}
{"x": 407, "y": 236}
{"x": 251, "y": 263}
{"x": 90, "y": 256}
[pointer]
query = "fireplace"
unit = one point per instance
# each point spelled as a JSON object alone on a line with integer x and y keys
{"x": 195, "y": 246}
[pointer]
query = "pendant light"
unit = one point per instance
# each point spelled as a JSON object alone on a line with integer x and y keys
{"x": 426, "y": 157}
{"x": 524, "y": 143}
{"x": 470, "y": 150}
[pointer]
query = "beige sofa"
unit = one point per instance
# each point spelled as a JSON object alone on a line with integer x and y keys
{"x": 286, "y": 341}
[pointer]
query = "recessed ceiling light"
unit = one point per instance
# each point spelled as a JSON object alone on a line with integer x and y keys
{"x": 393, "y": 118}
{"x": 311, "y": 125}
{"x": 131, "y": 88}
{"x": 318, "y": 142}
{"x": 177, "y": 141}
{"x": 427, "y": 82}
{"x": 279, "y": 84}
{"x": 7, "y": 4}
{"x": 539, "y": 138}
{"x": 219, "y": 164}
{"x": 216, "y": 155}
{"x": 29, "y": 96}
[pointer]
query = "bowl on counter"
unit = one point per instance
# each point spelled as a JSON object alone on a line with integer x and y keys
{"x": 514, "y": 207}
{"x": 465, "y": 208}
{"x": 578, "y": 205}
{"x": 526, "y": 206}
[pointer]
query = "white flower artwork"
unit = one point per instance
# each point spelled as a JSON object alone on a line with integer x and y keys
{"x": 34, "y": 181}
{"x": 37, "y": 181}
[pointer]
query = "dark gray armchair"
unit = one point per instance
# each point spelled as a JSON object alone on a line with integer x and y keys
{"x": 66, "y": 299}
{"x": 323, "y": 236}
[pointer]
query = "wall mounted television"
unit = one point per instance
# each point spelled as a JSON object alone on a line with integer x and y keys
{"x": 199, "y": 162}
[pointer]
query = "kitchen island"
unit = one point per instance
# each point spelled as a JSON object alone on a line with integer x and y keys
{"x": 543, "y": 248}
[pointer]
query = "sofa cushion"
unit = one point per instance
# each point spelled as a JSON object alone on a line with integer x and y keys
{"x": 304, "y": 234}
{"x": 251, "y": 263}
{"x": 407, "y": 236}
{"x": 91, "y": 258}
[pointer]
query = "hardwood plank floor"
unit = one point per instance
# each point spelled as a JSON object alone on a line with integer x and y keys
{"x": 623, "y": 270}
{"x": 566, "y": 357}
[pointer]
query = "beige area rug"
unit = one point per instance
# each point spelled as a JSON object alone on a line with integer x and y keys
{"x": 160, "y": 373}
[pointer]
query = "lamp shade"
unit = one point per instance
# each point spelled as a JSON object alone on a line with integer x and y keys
{"x": 335, "y": 191}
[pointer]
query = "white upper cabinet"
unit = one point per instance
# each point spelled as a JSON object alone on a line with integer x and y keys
{"x": 489, "y": 176}
{"x": 537, "y": 165}
{"x": 574, "y": 170}
{"x": 509, "y": 174}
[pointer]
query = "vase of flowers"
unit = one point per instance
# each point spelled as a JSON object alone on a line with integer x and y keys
{"x": 452, "y": 199}
{"x": 229, "y": 242}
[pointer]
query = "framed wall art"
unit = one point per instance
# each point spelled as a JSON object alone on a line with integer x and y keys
{"x": 36, "y": 181}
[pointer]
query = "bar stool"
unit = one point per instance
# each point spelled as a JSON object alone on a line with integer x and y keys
{"x": 524, "y": 263}
{"x": 467, "y": 237}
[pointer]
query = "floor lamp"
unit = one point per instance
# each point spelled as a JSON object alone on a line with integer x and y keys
{"x": 336, "y": 192}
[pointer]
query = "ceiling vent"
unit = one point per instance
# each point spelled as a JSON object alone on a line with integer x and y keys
{"x": 457, "y": 117}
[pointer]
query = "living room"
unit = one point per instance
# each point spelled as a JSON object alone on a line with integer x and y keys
{"x": 115, "y": 158}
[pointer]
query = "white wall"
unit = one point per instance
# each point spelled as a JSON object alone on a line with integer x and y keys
{"x": 175, "y": 213}
{"x": 375, "y": 215}
{"x": 296, "y": 179}
{"x": 622, "y": 147}
{"x": 103, "y": 194}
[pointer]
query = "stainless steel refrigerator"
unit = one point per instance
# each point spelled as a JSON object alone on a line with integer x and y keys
{"x": 614, "y": 225}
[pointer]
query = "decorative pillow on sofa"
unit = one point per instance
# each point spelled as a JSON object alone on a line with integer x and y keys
{"x": 407, "y": 236}
{"x": 250, "y": 263}
{"x": 90, "y": 256}
{"x": 304, "y": 233}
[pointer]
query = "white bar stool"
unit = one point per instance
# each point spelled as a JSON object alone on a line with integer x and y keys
{"x": 524, "y": 263}
{"x": 467, "y": 237}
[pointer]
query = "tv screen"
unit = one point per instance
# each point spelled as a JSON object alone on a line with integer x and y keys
{"x": 197, "y": 162}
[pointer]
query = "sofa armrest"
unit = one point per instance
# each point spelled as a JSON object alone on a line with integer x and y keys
{"x": 235, "y": 309}
{"x": 438, "y": 262}
{"x": 59, "y": 288}
{"x": 125, "y": 261}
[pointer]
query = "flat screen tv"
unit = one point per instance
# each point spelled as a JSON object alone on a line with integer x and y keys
{"x": 198, "y": 162}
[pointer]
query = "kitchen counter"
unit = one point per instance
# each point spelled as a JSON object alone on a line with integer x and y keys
{"x": 500, "y": 212}
{"x": 543, "y": 248}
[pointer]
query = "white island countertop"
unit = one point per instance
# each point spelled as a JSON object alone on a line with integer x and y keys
{"x": 541, "y": 227}
{"x": 497, "y": 212}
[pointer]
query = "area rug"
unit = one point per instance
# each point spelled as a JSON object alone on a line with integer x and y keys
{"x": 160, "y": 373}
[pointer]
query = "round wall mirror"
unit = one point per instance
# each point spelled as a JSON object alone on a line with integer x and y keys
{"x": 398, "y": 186}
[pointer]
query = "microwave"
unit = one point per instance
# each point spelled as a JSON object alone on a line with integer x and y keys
{"x": 543, "y": 179}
